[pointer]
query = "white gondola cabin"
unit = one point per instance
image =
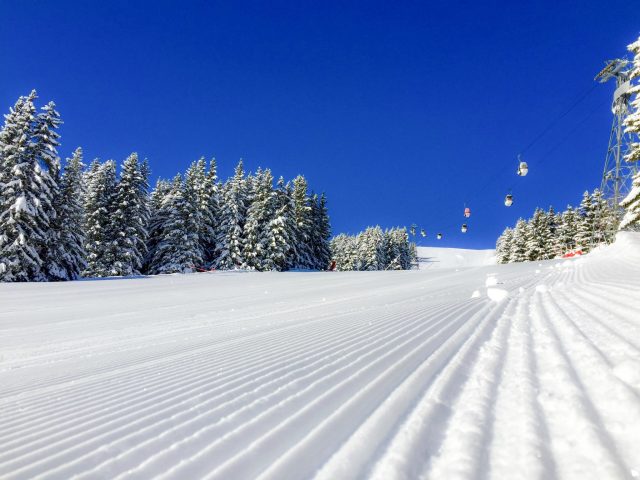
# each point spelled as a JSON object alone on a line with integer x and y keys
{"x": 523, "y": 169}
{"x": 464, "y": 228}
{"x": 508, "y": 200}
{"x": 439, "y": 236}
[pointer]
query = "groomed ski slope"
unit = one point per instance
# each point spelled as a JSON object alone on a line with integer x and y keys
{"x": 515, "y": 371}
{"x": 435, "y": 257}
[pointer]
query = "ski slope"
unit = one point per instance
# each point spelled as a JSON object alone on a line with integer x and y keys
{"x": 512, "y": 371}
{"x": 435, "y": 257}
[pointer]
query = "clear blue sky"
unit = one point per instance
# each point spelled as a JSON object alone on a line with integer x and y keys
{"x": 400, "y": 111}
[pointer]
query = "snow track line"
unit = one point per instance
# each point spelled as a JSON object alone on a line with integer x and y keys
{"x": 470, "y": 427}
{"x": 421, "y": 431}
{"x": 354, "y": 455}
{"x": 242, "y": 438}
{"x": 71, "y": 440}
{"x": 581, "y": 442}
{"x": 210, "y": 412}
{"x": 605, "y": 391}
{"x": 599, "y": 332}
{"x": 337, "y": 321}
{"x": 118, "y": 401}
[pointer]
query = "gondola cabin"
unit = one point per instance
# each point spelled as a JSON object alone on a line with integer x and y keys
{"x": 508, "y": 200}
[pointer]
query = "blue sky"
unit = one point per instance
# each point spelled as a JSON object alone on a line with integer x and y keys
{"x": 400, "y": 111}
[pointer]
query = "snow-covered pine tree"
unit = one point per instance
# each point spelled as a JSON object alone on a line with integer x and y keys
{"x": 567, "y": 231}
{"x": 196, "y": 193}
{"x": 408, "y": 251}
{"x": 159, "y": 213}
{"x": 98, "y": 227}
{"x": 210, "y": 207}
{"x": 320, "y": 233}
{"x": 518, "y": 251}
{"x": 344, "y": 251}
{"x": 281, "y": 229}
{"x": 48, "y": 167}
{"x": 25, "y": 195}
{"x": 70, "y": 219}
{"x": 587, "y": 222}
{"x": 371, "y": 251}
{"x": 232, "y": 218}
{"x": 129, "y": 220}
{"x": 304, "y": 223}
{"x": 178, "y": 250}
{"x": 606, "y": 219}
{"x": 539, "y": 242}
{"x": 256, "y": 229}
{"x": 399, "y": 253}
{"x": 632, "y": 120}
{"x": 631, "y": 202}
{"x": 503, "y": 246}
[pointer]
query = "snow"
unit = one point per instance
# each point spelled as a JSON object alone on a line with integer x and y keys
{"x": 20, "y": 205}
{"x": 435, "y": 257}
{"x": 386, "y": 375}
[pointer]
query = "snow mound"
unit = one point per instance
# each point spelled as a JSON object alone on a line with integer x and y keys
{"x": 436, "y": 257}
{"x": 497, "y": 294}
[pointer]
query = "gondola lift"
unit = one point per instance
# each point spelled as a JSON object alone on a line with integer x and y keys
{"x": 464, "y": 228}
{"x": 423, "y": 233}
{"x": 413, "y": 230}
{"x": 508, "y": 200}
{"x": 467, "y": 212}
{"x": 439, "y": 236}
{"x": 523, "y": 168}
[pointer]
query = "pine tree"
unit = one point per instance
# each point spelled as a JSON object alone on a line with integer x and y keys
{"x": 71, "y": 253}
{"x": 632, "y": 120}
{"x": 587, "y": 222}
{"x": 320, "y": 233}
{"x": 129, "y": 220}
{"x": 48, "y": 168}
{"x": 256, "y": 229}
{"x": 25, "y": 194}
{"x": 159, "y": 213}
{"x": 232, "y": 216}
{"x": 371, "y": 251}
{"x": 210, "y": 208}
{"x": 631, "y": 202}
{"x": 281, "y": 229}
{"x": 539, "y": 243}
{"x": 503, "y": 246}
{"x": 178, "y": 249}
{"x": 304, "y": 223}
{"x": 99, "y": 206}
{"x": 518, "y": 251}
{"x": 606, "y": 219}
{"x": 567, "y": 231}
{"x": 344, "y": 252}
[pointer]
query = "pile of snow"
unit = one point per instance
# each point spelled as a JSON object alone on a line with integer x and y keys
{"x": 503, "y": 371}
{"x": 435, "y": 257}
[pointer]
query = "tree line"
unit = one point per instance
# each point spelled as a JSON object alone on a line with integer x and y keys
{"x": 548, "y": 234}
{"x": 60, "y": 224}
{"x": 374, "y": 249}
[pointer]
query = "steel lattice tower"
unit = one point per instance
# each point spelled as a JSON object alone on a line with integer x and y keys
{"x": 617, "y": 174}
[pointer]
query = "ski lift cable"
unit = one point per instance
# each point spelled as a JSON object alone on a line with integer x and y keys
{"x": 508, "y": 169}
{"x": 547, "y": 155}
{"x": 559, "y": 117}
